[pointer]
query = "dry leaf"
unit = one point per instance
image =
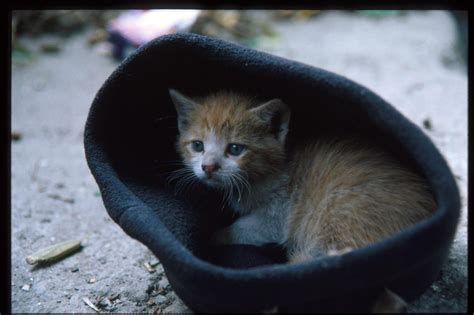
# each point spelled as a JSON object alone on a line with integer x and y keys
{"x": 53, "y": 252}
{"x": 90, "y": 304}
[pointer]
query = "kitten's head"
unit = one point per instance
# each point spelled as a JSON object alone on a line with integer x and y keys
{"x": 227, "y": 135}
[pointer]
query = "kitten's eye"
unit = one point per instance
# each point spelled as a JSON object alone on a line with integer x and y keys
{"x": 235, "y": 149}
{"x": 197, "y": 146}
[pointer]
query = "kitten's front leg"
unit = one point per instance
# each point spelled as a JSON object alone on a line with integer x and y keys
{"x": 251, "y": 229}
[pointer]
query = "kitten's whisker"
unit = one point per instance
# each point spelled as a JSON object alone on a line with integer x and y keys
{"x": 179, "y": 173}
{"x": 228, "y": 190}
{"x": 235, "y": 180}
{"x": 241, "y": 182}
{"x": 238, "y": 189}
{"x": 189, "y": 183}
{"x": 174, "y": 172}
{"x": 178, "y": 185}
{"x": 225, "y": 191}
{"x": 224, "y": 188}
{"x": 232, "y": 183}
{"x": 176, "y": 175}
{"x": 183, "y": 181}
{"x": 244, "y": 181}
{"x": 183, "y": 188}
{"x": 173, "y": 178}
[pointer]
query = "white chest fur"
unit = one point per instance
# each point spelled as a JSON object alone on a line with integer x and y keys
{"x": 263, "y": 215}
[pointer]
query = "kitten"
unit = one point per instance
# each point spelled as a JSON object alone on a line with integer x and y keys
{"x": 326, "y": 197}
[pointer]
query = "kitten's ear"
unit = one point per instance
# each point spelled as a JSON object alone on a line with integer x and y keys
{"x": 184, "y": 105}
{"x": 277, "y": 115}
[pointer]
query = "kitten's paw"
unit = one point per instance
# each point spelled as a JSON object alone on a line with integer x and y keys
{"x": 338, "y": 252}
{"x": 297, "y": 257}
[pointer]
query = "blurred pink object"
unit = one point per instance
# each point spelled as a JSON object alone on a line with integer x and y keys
{"x": 141, "y": 26}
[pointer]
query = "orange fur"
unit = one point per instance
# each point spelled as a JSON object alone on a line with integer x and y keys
{"x": 347, "y": 195}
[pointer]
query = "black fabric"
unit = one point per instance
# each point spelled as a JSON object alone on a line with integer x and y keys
{"x": 130, "y": 139}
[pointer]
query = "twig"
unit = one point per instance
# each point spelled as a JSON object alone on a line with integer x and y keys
{"x": 58, "y": 197}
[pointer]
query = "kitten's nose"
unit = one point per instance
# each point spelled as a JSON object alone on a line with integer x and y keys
{"x": 209, "y": 169}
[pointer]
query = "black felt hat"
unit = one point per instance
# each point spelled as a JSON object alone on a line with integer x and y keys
{"x": 130, "y": 140}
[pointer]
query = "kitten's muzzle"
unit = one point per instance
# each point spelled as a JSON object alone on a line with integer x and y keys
{"x": 209, "y": 169}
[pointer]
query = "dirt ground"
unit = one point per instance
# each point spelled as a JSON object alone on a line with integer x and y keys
{"x": 409, "y": 60}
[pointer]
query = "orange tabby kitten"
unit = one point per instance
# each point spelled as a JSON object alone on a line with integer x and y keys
{"x": 326, "y": 198}
{"x": 329, "y": 195}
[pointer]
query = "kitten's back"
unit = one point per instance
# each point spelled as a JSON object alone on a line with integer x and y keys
{"x": 347, "y": 195}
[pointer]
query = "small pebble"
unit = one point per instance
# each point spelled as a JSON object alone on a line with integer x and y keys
{"x": 92, "y": 280}
{"x": 163, "y": 283}
{"x": 114, "y": 296}
{"x": 150, "y": 302}
{"x": 427, "y": 124}
{"x": 160, "y": 299}
{"x": 105, "y": 302}
{"x": 26, "y": 287}
{"x": 16, "y": 136}
{"x": 102, "y": 260}
{"x": 75, "y": 269}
